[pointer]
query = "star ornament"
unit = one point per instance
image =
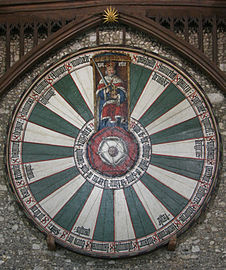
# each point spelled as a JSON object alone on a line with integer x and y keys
{"x": 110, "y": 15}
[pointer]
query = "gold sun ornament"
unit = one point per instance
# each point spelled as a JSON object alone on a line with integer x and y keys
{"x": 110, "y": 15}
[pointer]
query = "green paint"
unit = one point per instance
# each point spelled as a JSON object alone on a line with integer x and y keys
{"x": 67, "y": 216}
{"x": 68, "y": 89}
{"x": 38, "y": 152}
{"x": 46, "y": 118}
{"x": 104, "y": 230}
{"x": 138, "y": 79}
{"x": 48, "y": 185}
{"x": 169, "y": 198}
{"x": 166, "y": 101}
{"x": 188, "y": 167}
{"x": 140, "y": 219}
{"x": 187, "y": 130}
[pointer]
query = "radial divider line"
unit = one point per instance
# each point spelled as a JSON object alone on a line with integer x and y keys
{"x": 71, "y": 192}
{"x": 54, "y": 172}
{"x": 82, "y": 86}
{"x": 182, "y": 157}
{"x": 50, "y": 129}
{"x": 181, "y": 168}
{"x": 137, "y": 213}
{"x": 172, "y": 125}
{"x": 144, "y": 206}
{"x": 144, "y": 88}
{"x": 189, "y": 115}
{"x": 181, "y": 148}
{"x": 48, "y": 185}
{"x": 38, "y": 117}
{"x": 54, "y": 111}
{"x": 123, "y": 229}
{"x": 91, "y": 202}
{"x": 44, "y": 132}
{"x": 97, "y": 214}
{"x": 80, "y": 93}
{"x": 151, "y": 197}
{"x": 129, "y": 214}
{"x": 164, "y": 180}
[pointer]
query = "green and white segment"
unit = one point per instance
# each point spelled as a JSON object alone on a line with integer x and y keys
{"x": 112, "y": 222}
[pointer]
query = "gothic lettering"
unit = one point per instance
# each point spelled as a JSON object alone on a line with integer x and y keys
{"x": 41, "y": 86}
{"x": 146, "y": 61}
{"x": 46, "y": 97}
{"x": 188, "y": 213}
{"x": 82, "y": 230}
{"x": 160, "y": 79}
{"x": 27, "y": 106}
{"x": 56, "y": 73}
{"x": 184, "y": 85}
{"x": 29, "y": 171}
{"x": 169, "y": 72}
{"x": 80, "y": 60}
{"x": 101, "y": 247}
{"x": 168, "y": 230}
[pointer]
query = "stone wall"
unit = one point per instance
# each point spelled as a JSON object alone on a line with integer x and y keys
{"x": 22, "y": 246}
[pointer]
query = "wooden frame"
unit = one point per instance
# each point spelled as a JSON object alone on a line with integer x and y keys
{"x": 80, "y": 26}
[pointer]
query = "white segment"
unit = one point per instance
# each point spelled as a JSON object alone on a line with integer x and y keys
{"x": 84, "y": 81}
{"x": 37, "y": 134}
{"x": 183, "y": 185}
{"x": 184, "y": 148}
{"x": 59, "y": 105}
{"x": 152, "y": 205}
{"x": 55, "y": 201}
{"x": 151, "y": 92}
{"x": 89, "y": 213}
{"x": 178, "y": 114}
{"x": 123, "y": 225}
{"x": 46, "y": 168}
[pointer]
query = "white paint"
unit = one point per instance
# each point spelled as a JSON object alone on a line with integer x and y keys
{"x": 37, "y": 134}
{"x": 184, "y": 148}
{"x": 183, "y": 185}
{"x": 178, "y": 114}
{"x": 89, "y": 213}
{"x": 60, "y": 106}
{"x": 84, "y": 81}
{"x": 151, "y": 92}
{"x": 152, "y": 205}
{"x": 46, "y": 168}
{"x": 53, "y": 203}
{"x": 123, "y": 225}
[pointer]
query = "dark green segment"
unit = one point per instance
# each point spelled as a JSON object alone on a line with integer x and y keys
{"x": 169, "y": 198}
{"x": 166, "y": 101}
{"x": 48, "y": 185}
{"x": 104, "y": 230}
{"x": 140, "y": 219}
{"x": 68, "y": 89}
{"x": 37, "y": 152}
{"x": 138, "y": 79}
{"x": 187, "y": 130}
{"x": 70, "y": 212}
{"x": 46, "y": 118}
{"x": 188, "y": 167}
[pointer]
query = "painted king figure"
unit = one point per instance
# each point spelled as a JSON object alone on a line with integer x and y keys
{"x": 112, "y": 100}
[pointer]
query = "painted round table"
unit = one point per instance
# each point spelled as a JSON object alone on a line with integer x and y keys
{"x": 113, "y": 151}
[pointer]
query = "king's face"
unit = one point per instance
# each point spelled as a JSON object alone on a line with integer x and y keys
{"x": 110, "y": 70}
